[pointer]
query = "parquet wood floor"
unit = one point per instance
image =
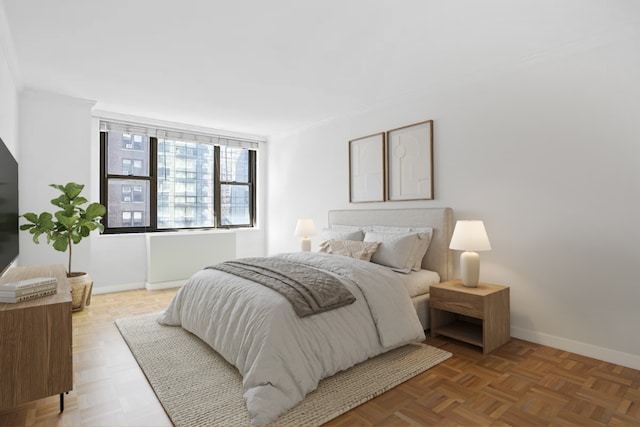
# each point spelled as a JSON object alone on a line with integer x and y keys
{"x": 519, "y": 384}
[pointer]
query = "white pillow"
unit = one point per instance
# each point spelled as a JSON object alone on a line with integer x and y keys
{"x": 350, "y": 248}
{"x": 422, "y": 246}
{"x": 425, "y": 235}
{"x": 388, "y": 229}
{"x": 345, "y": 227}
{"x": 328, "y": 234}
{"x": 396, "y": 250}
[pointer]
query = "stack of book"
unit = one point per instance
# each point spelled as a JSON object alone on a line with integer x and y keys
{"x": 24, "y": 290}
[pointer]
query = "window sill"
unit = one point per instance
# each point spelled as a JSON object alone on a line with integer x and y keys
{"x": 183, "y": 232}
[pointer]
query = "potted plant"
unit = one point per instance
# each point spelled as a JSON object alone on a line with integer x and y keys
{"x": 65, "y": 228}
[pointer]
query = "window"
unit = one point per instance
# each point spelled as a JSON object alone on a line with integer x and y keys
{"x": 184, "y": 187}
{"x": 127, "y": 193}
{"x": 235, "y": 185}
{"x": 151, "y": 183}
{"x": 132, "y": 142}
{"x": 132, "y": 218}
{"x": 132, "y": 167}
{"x": 138, "y": 194}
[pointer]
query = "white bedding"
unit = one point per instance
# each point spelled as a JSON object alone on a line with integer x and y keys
{"x": 418, "y": 282}
{"x": 280, "y": 356}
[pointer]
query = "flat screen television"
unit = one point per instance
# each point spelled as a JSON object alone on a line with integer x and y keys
{"x": 9, "y": 247}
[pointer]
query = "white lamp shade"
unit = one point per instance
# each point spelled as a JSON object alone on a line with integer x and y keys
{"x": 305, "y": 228}
{"x": 470, "y": 236}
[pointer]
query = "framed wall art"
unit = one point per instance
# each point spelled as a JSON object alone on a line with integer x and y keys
{"x": 367, "y": 169}
{"x": 409, "y": 164}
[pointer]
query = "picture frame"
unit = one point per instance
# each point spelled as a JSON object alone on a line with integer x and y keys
{"x": 367, "y": 169}
{"x": 409, "y": 162}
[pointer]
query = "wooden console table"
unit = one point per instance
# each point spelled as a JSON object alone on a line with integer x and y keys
{"x": 35, "y": 341}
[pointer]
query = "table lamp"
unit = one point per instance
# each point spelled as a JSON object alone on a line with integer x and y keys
{"x": 305, "y": 228}
{"x": 470, "y": 236}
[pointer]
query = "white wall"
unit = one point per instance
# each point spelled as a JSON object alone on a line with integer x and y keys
{"x": 8, "y": 109}
{"x": 60, "y": 143}
{"x": 55, "y": 136}
{"x": 547, "y": 154}
{"x": 9, "y": 88}
{"x": 119, "y": 261}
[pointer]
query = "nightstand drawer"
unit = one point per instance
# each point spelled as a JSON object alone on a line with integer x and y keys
{"x": 457, "y": 302}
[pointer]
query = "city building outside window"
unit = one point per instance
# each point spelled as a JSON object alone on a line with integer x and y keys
{"x": 153, "y": 183}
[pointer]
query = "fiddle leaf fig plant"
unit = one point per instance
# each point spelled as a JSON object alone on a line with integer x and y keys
{"x": 70, "y": 224}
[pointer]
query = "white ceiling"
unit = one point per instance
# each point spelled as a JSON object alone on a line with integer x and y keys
{"x": 272, "y": 66}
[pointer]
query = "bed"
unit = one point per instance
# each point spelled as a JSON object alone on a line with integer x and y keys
{"x": 281, "y": 355}
{"x": 438, "y": 258}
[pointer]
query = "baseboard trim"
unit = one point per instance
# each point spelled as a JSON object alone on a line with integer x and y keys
{"x": 164, "y": 285}
{"x": 589, "y": 350}
{"x": 107, "y": 289}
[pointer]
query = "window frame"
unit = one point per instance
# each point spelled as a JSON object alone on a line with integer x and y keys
{"x": 152, "y": 179}
{"x": 250, "y": 184}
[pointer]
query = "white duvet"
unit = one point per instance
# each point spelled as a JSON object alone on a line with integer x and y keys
{"x": 283, "y": 357}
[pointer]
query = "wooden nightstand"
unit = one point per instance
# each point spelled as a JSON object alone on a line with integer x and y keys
{"x": 478, "y": 316}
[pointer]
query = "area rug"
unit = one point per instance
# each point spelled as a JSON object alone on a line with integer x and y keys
{"x": 196, "y": 386}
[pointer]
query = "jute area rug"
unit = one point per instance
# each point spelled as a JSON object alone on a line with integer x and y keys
{"x": 197, "y": 387}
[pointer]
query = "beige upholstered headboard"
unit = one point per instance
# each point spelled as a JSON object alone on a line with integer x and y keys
{"x": 439, "y": 257}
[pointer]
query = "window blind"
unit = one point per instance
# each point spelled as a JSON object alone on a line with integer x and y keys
{"x": 183, "y": 135}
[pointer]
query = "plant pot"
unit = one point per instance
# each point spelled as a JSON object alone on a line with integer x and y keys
{"x": 81, "y": 286}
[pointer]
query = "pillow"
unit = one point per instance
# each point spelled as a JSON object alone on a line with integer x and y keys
{"x": 346, "y": 227}
{"x": 329, "y": 234}
{"x": 350, "y": 248}
{"x": 395, "y": 250}
{"x": 422, "y": 246}
{"x": 388, "y": 229}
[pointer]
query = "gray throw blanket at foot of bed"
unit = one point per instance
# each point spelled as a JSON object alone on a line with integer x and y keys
{"x": 308, "y": 289}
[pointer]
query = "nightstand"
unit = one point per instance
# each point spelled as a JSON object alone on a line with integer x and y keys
{"x": 478, "y": 316}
